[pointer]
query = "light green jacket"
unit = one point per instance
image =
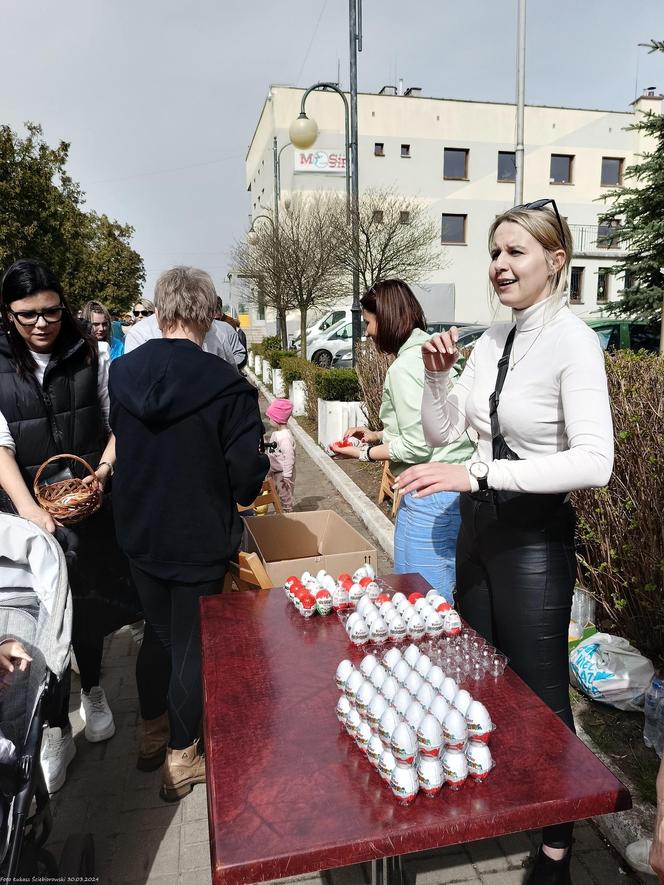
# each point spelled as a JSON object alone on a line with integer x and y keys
{"x": 400, "y": 412}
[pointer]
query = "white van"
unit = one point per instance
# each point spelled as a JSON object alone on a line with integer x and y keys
{"x": 333, "y": 318}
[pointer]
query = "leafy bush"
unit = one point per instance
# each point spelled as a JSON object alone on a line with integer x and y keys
{"x": 257, "y": 349}
{"x": 274, "y": 357}
{"x": 620, "y": 537}
{"x": 292, "y": 368}
{"x": 338, "y": 384}
{"x": 271, "y": 342}
{"x": 371, "y": 367}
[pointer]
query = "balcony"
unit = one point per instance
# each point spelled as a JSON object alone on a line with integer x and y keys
{"x": 596, "y": 240}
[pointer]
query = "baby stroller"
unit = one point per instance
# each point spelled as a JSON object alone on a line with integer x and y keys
{"x": 36, "y": 609}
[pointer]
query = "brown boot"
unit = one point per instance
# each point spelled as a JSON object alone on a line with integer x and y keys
{"x": 153, "y": 743}
{"x": 181, "y": 770}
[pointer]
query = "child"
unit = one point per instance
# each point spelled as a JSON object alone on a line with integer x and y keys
{"x": 281, "y": 452}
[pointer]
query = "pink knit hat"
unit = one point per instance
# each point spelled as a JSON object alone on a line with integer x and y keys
{"x": 280, "y": 410}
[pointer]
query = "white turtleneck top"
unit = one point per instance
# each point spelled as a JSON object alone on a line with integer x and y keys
{"x": 554, "y": 408}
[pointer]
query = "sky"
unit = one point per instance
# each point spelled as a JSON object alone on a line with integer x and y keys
{"x": 159, "y": 98}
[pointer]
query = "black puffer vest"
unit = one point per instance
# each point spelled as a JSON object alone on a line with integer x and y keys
{"x": 62, "y": 416}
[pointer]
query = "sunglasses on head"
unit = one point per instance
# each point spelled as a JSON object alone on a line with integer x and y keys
{"x": 541, "y": 204}
{"x": 142, "y": 313}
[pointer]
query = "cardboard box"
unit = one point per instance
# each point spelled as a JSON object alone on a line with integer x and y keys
{"x": 291, "y": 543}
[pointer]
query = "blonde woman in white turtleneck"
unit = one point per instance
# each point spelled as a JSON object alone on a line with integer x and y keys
{"x": 516, "y": 565}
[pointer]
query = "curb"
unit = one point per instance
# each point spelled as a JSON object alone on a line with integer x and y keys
{"x": 619, "y": 829}
{"x": 376, "y": 522}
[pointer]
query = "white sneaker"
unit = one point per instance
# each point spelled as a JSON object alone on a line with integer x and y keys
{"x": 57, "y": 751}
{"x": 637, "y": 856}
{"x": 96, "y": 714}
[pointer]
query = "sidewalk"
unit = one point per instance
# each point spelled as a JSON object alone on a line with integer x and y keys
{"x": 140, "y": 839}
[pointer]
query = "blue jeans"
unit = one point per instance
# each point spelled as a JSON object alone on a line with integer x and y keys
{"x": 425, "y": 539}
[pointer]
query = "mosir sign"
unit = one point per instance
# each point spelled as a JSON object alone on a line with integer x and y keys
{"x": 331, "y": 162}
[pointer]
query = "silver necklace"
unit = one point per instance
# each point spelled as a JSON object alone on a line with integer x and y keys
{"x": 530, "y": 347}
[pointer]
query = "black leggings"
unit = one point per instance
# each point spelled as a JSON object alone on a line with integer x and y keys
{"x": 514, "y": 586}
{"x": 171, "y": 611}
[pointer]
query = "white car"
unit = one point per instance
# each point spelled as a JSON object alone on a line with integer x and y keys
{"x": 324, "y": 349}
{"x": 333, "y": 318}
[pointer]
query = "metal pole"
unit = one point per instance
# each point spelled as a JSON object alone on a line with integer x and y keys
{"x": 520, "y": 98}
{"x": 281, "y": 319}
{"x": 355, "y": 180}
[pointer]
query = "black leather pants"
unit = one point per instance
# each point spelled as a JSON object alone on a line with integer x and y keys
{"x": 514, "y": 586}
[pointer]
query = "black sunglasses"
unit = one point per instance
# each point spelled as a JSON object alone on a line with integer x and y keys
{"x": 142, "y": 313}
{"x": 541, "y": 204}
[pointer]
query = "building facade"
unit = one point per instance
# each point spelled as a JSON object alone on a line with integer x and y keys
{"x": 457, "y": 157}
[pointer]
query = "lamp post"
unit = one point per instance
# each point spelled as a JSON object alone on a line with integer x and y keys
{"x": 282, "y": 330}
{"x": 303, "y": 133}
{"x": 520, "y": 100}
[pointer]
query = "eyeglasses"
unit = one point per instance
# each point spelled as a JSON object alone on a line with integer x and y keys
{"x": 31, "y": 317}
{"x": 142, "y": 313}
{"x": 540, "y": 204}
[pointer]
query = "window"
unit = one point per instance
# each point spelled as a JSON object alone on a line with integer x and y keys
{"x": 602, "y": 285}
{"x": 642, "y": 337}
{"x": 608, "y": 235}
{"x": 576, "y": 286}
{"x": 506, "y": 166}
{"x": 332, "y": 319}
{"x": 561, "y": 169}
{"x": 379, "y": 149}
{"x": 343, "y": 332}
{"x": 378, "y": 216}
{"x": 453, "y": 229}
{"x": 612, "y": 168}
{"x": 404, "y": 217}
{"x": 609, "y": 336}
{"x": 629, "y": 280}
{"x": 405, "y": 150}
{"x": 455, "y": 163}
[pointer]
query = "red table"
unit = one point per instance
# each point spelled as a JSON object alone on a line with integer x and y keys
{"x": 289, "y": 792}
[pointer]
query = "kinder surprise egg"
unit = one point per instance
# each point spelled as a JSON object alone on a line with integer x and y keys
{"x": 363, "y": 603}
{"x": 423, "y": 666}
{"x": 397, "y": 629}
{"x": 420, "y": 604}
{"x": 329, "y": 584}
{"x": 339, "y": 599}
{"x": 365, "y": 694}
{"x": 389, "y": 688}
{"x": 430, "y": 775}
{"x": 462, "y": 701}
{"x": 401, "y": 670}
{"x": 308, "y": 603}
{"x": 374, "y": 750}
{"x": 288, "y": 583}
{"x": 353, "y": 618}
{"x": 364, "y": 582}
{"x": 373, "y": 590}
{"x": 412, "y": 655}
{"x": 425, "y": 694}
{"x": 363, "y": 735}
{"x": 479, "y": 760}
{"x": 479, "y": 722}
{"x": 415, "y": 626}
{"x": 358, "y": 634}
{"x": 455, "y": 730}
{"x": 368, "y": 664}
{"x": 378, "y": 631}
{"x": 398, "y": 599}
{"x": 321, "y": 575}
{"x": 323, "y": 602}
{"x": 370, "y": 615}
{"x": 433, "y": 625}
{"x": 435, "y": 677}
{"x": 439, "y": 708}
{"x": 383, "y": 597}
{"x": 401, "y": 701}
{"x": 391, "y": 656}
{"x": 352, "y": 684}
{"x": 355, "y": 593}
{"x": 305, "y": 576}
{"x": 404, "y": 783}
{"x": 344, "y": 669}
{"x": 451, "y": 623}
{"x": 386, "y": 764}
{"x": 448, "y": 689}
{"x": 387, "y": 609}
{"x": 430, "y": 736}
{"x": 455, "y": 768}
{"x": 413, "y": 682}
{"x": 375, "y": 710}
{"x": 359, "y": 574}
{"x": 352, "y": 721}
{"x": 403, "y": 743}
{"x": 413, "y": 597}
{"x": 369, "y": 570}
{"x": 387, "y": 723}
{"x": 378, "y": 676}
{"x": 345, "y": 581}
{"x": 414, "y": 714}
{"x": 342, "y": 709}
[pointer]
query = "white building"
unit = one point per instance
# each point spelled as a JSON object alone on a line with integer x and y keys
{"x": 458, "y": 158}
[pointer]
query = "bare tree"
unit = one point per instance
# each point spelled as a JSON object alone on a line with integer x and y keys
{"x": 398, "y": 238}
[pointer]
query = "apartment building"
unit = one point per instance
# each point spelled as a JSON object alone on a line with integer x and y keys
{"x": 457, "y": 157}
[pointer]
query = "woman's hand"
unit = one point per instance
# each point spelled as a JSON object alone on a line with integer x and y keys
{"x": 40, "y": 517}
{"x": 13, "y": 656}
{"x": 440, "y": 352}
{"x": 363, "y": 433}
{"x": 345, "y": 451}
{"x": 427, "y": 479}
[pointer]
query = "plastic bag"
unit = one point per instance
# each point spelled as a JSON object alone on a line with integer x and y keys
{"x": 609, "y": 670}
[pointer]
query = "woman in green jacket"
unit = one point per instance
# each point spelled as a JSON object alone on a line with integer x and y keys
{"x": 426, "y": 529}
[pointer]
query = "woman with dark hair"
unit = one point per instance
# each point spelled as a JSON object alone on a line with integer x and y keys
{"x": 426, "y": 532}
{"x": 54, "y": 400}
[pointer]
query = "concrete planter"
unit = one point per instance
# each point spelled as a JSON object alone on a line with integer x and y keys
{"x": 278, "y": 386}
{"x": 250, "y": 359}
{"x": 258, "y": 366}
{"x": 298, "y": 396}
{"x": 267, "y": 373}
{"x": 334, "y": 419}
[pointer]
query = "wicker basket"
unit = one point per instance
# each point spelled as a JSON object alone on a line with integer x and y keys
{"x": 70, "y": 500}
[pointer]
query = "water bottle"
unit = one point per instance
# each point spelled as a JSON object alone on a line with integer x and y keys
{"x": 659, "y": 739}
{"x": 653, "y": 697}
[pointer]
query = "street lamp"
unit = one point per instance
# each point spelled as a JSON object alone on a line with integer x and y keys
{"x": 252, "y": 239}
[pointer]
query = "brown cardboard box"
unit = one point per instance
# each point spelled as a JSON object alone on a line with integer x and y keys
{"x": 291, "y": 543}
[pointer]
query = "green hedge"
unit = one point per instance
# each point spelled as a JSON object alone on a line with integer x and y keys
{"x": 274, "y": 357}
{"x": 270, "y": 343}
{"x": 257, "y": 349}
{"x": 338, "y": 384}
{"x": 293, "y": 369}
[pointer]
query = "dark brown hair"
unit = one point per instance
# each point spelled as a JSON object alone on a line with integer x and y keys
{"x": 397, "y": 312}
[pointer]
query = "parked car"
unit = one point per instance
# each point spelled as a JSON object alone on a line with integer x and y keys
{"x": 323, "y": 325}
{"x": 617, "y": 334}
{"x": 323, "y": 350}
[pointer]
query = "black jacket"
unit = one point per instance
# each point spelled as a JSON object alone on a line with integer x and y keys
{"x": 62, "y": 416}
{"x": 188, "y": 433}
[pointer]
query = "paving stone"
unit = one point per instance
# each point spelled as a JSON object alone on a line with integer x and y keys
{"x": 511, "y": 877}
{"x": 146, "y": 854}
{"x": 444, "y": 866}
{"x": 487, "y": 856}
{"x": 194, "y": 857}
{"x": 194, "y": 833}
{"x": 603, "y": 867}
{"x": 195, "y": 804}
{"x": 195, "y": 877}
{"x": 517, "y": 847}
{"x": 169, "y": 815}
{"x": 586, "y": 838}
{"x": 581, "y": 876}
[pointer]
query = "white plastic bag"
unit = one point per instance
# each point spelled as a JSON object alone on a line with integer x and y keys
{"x": 610, "y": 670}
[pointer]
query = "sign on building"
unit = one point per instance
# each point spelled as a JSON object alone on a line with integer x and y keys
{"x": 331, "y": 162}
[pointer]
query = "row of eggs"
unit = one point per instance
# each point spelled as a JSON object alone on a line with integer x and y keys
{"x": 321, "y": 593}
{"x": 377, "y": 623}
